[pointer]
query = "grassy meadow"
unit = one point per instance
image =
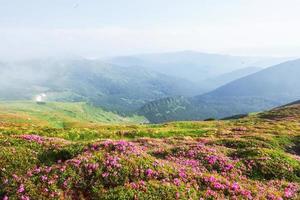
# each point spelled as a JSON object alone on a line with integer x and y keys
{"x": 255, "y": 157}
{"x": 61, "y": 115}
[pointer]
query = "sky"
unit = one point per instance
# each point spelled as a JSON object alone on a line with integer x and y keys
{"x": 103, "y": 28}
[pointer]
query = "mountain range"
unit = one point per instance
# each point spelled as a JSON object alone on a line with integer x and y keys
{"x": 117, "y": 88}
{"x": 204, "y": 69}
{"x": 169, "y": 86}
{"x": 271, "y": 87}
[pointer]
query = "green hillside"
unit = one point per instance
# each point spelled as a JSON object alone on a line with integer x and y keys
{"x": 168, "y": 109}
{"x": 116, "y": 88}
{"x": 256, "y": 157}
{"x": 260, "y": 91}
{"x": 59, "y": 114}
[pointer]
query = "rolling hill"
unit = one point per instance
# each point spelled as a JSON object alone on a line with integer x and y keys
{"x": 256, "y": 157}
{"x": 278, "y": 82}
{"x": 265, "y": 89}
{"x": 121, "y": 89}
{"x": 289, "y": 112}
{"x": 295, "y": 102}
{"x": 127, "y": 84}
{"x": 58, "y": 114}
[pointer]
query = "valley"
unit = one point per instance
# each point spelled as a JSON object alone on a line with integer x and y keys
{"x": 87, "y": 129}
{"x": 149, "y": 100}
{"x": 143, "y": 85}
{"x": 256, "y": 92}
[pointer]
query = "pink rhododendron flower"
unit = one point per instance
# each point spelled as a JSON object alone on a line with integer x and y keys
{"x": 218, "y": 186}
{"x": 210, "y": 193}
{"x": 44, "y": 178}
{"x": 149, "y": 172}
{"x": 235, "y": 187}
{"x": 176, "y": 181}
{"x": 23, "y": 197}
{"x": 21, "y": 189}
{"x": 212, "y": 159}
{"x": 33, "y": 138}
{"x": 105, "y": 174}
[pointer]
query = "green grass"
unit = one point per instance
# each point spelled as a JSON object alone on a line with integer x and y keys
{"x": 58, "y": 114}
{"x": 260, "y": 154}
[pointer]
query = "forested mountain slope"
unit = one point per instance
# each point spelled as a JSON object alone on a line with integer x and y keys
{"x": 271, "y": 87}
{"x": 117, "y": 88}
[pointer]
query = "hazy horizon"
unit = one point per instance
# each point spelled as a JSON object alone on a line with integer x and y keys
{"x": 97, "y": 29}
{"x": 149, "y": 99}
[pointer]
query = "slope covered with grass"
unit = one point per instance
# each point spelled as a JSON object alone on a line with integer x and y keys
{"x": 57, "y": 114}
{"x": 256, "y": 157}
{"x": 117, "y": 88}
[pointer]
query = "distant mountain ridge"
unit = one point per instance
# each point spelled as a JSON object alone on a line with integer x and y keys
{"x": 192, "y": 65}
{"x": 126, "y": 84}
{"x": 276, "y": 81}
{"x": 118, "y": 88}
{"x": 177, "y": 80}
{"x": 262, "y": 90}
{"x": 293, "y": 103}
{"x": 223, "y": 79}
{"x": 296, "y": 102}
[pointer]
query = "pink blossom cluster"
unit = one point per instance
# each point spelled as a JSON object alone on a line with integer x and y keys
{"x": 33, "y": 138}
{"x": 223, "y": 185}
{"x": 121, "y": 163}
{"x": 202, "y": 158}
{"x": 290, "y": 191}
{"x": 121, "y": 146}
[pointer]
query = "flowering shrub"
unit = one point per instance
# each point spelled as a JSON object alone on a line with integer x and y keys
{"x": 33, "y": 138}
{"x": 269, "y": 164}
{"x": 45, "y": 167}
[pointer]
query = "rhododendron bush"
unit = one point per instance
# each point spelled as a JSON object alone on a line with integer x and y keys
{"x": 252, "y": 158}
{"x": 189, "y": 169}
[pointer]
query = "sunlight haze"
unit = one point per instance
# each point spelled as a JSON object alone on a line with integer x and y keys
{"x": 97, "y": 28}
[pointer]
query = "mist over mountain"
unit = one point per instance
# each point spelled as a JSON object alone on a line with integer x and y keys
{"x": 278, "y": 82}
{"x": 218, "y": 81}
{"x": 126, "y": 84}
{"x": 194, "y": 66}
{"x": 174, "y": 83}
{"x": 271, "y": 87}
{"x": 117, "y": 88}
{"x": 157, "y": 99}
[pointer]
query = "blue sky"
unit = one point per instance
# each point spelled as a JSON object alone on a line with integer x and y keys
{"x": 98, "y": 28}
